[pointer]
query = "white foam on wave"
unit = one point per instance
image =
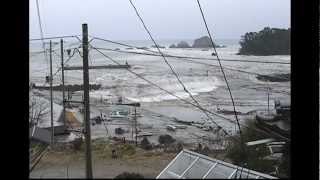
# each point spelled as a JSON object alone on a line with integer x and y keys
{"x": 195, "y": 87}
{"x": 100, "y": 93}
{"x": 159, "y": 97}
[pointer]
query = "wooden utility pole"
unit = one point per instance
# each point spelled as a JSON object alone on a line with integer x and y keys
{"x": 135, "y": 123}
{"x": 86, "y": 100}
{"x": 132, "y": 130}
{"x": 51, "y": 98}
{"x": 268, "y": 101}
{"x": 63, "y": 93}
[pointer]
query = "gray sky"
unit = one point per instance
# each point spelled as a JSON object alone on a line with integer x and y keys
{"x": 166, "y": 19}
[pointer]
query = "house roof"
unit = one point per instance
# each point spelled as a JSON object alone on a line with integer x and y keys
{"x": 40, "y": 134}
{"x": 188, "y": 165}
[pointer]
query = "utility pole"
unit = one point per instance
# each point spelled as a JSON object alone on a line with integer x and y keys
{"x": 268, "y": 100}
{"x": 135, "y": 121}
{"x": 86, "y": 100}
{"x": 51, "y": 99}
{"x": 63, "y": 93}
{"x": 132, "y": 131}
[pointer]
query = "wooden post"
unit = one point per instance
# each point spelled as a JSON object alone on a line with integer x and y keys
{"x": 268, "y": 102}
{"x": 51, "y": 96}
{"x": 86, "y": 100}
{"x": 132, "y": 131}
{"x": 62, "y": 79}
{"x": 135, "y": 121}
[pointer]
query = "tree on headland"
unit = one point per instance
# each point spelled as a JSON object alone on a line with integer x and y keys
{"x": 269, "y": 41}
{"x": 166, "y": 140}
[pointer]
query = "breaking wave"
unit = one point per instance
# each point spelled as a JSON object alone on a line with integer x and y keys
{"x": 195, "y": 87}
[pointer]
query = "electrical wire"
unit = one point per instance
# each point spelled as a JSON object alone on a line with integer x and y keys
{"x": 224, "y": 76}
{"x": 56, "y": 37}
{"x": 183, "y": 58}
{"x": 169, "y": 92}
{"x": 41, "y": 34}
{"x": 42, "y": 153}
{"x": 73, "y": 53}
{"x": 185, "y": 101}
{"x": 141, "y": 77}
{"x": 170, "y": 66}
{"x": 189, "y": 57}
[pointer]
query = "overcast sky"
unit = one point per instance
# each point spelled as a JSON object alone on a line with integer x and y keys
{"x": 166, "y": 19}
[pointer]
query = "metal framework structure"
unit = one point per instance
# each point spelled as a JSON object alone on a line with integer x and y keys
{"x": 191, "y": 165}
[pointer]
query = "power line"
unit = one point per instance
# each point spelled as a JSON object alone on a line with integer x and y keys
{"x": 196, "y": 62}
{"x": 39, "y": 157}
{"x": 224, "y": 76}
{"x": 141, "y": 77}
{"x": 186, "y": 58}
{"x": 196, "y": 58}
{"x": 59, "y": 69}
{"x": 56, "y": 37}
{"x": 41, "y": 33}
{"x": 171, "y": 68}
{"x": 183, "y": 100}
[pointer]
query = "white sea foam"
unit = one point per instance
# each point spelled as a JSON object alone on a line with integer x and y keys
{"x": 173, "y": 86}
{"x": 100, "y": 93}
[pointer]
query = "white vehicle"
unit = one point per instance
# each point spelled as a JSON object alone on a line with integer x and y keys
{"x": 118, "y": 114}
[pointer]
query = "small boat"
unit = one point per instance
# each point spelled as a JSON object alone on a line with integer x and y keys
{"x": 171, "y": 127}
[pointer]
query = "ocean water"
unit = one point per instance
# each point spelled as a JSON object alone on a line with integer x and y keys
{"x": 198, "y": 78}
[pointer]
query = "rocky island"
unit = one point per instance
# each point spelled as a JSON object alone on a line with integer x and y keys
{"x": 181, "y": 44}
{"x": 202, "y": 42}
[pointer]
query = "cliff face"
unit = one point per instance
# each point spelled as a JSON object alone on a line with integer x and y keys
{"x": 203, "y": 42}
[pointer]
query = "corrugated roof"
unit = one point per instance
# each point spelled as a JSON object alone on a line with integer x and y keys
{"x": 192, "y": 165}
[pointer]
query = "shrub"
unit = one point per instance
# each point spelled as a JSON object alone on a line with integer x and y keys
{"x": 127, "y": 175}
{"x": 77, "y": 144}
{"x": 284, "y": 167}
{"x": 205, "y": 150}
{"x": 179, "y": 147}
{"x": 145, "y": 144}
{"x": 119, "y": 131}
{"x": 166, "y": 139}
{"x": 127, "y": 149}
{"x": 252, "y": 156}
